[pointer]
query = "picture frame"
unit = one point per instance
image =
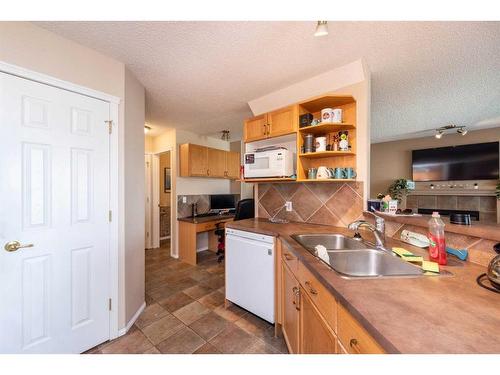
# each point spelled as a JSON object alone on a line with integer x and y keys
{"x": 167, "y": 180}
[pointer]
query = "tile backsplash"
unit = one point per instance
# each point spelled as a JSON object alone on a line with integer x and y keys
{"x": 202, "y": 201}
{"x": 328, "y": 203}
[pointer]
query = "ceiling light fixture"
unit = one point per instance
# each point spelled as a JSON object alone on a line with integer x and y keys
{"x": 459, "y": 129}
{"x": 147, "y": 129}
{"x": 321, "y": 28}
{"x": 225, "y": 135}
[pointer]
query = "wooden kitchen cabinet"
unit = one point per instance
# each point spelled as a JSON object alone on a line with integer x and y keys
{"x": 316, "y": 337}
{"x": 233, "y": 163}
{"x": 283, "y": 121}
{"x": 193, "y": 160}
{"x": 202, "y": 161}
{"x": 216, "y": 162}
{"x": 255, "y": 128}
{"x": 290, "y": 307}
{"x": 354, "y": 337}
{"x": 273, "y": 124}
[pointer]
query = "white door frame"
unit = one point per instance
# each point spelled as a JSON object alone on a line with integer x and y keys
{"x": 115, "y": 203}
{"x": 149, "y": 201}
{"x": 155, "y": 212}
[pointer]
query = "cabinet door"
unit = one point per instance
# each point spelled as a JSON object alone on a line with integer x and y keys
{"x": 290, "y": 308}
{"x": 255, "y": 128}
{"x": 315, "y": 335}
{"x": 283, "y": 121}
{"x": 216, "y": 162}
{"x": 193, "y": 160}
{"x": 233, "y": 165}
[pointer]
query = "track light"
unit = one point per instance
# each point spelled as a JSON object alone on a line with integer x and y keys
{"x": 321, "y": 28}
{"x": 440, "y": 131}
{"x": 147, "y": 129}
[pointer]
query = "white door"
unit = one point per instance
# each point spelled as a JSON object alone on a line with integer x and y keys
{"x": 54, "y": 194}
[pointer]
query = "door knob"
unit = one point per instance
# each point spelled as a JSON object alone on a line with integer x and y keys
{"x": 15, "y": 245}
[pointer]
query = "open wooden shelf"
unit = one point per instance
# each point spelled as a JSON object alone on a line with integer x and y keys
{"x": 326, "y": 128}
{"x": 269, "y": 179}
{"x": 325, "y": 154}
{"x": 327, "y": 180}
{"x": 326, "y": 101}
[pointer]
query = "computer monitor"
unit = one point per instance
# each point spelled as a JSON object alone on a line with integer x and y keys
{"x": 222, "y": 202}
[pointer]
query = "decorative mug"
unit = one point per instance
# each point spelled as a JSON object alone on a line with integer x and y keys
{"x": 311, "y": 173}
{"x": 350, "y": 173}
{"x": 320, "y": 144}
{"x": 323, "y": 173}
{"x": 339, "y": 173}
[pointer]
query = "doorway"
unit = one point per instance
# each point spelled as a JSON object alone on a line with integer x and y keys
{"x": 159, "y": 176}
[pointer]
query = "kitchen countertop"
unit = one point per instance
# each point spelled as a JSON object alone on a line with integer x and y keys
{"x": 428, "y": 314}
{"x": 476, "y": 229}
{"x": 205, "y": 219}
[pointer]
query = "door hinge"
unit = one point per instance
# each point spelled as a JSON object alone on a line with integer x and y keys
{"x": 110, "y": 304}
{"x": 110, "y": 126}
{"x": 110, "y": 215}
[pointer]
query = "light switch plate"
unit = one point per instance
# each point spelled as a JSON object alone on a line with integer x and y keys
{"x": 288, "y": 206}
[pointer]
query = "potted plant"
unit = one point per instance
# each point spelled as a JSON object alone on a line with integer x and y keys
{"x": 398, "y": 189}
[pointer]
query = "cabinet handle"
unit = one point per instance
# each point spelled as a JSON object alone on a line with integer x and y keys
{"x": 296, "y": 297}
{"x": 208, "y": 172}
{"x": 353, "y": 343}
{"x": 288, "y": 256}
{"x": 265, "y": 129}
{"x": 311, "y": 289}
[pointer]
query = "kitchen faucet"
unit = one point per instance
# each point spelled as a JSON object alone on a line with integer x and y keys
{"x": 378, "y": 230}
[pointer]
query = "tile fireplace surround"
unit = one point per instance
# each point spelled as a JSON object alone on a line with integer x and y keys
{"x": 485, "y": 205}
{"x": 328, "y": 203}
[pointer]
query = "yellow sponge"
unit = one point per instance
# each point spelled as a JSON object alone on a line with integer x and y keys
{"x": 407, "y": 255}
{"x": 430, "y": 266}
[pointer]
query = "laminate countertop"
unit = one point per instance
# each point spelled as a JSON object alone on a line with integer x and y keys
{"x": 427, "y": 314}
{"x": 205, "y": 219}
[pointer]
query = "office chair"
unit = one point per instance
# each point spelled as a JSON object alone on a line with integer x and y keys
{"x": 245, "y": 209}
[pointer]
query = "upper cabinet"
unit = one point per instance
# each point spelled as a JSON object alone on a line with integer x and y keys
{"x": 202, "y": 161}
{"x": 273, "y": 124}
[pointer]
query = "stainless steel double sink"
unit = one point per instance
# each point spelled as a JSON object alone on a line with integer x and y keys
{"x": 353, "y": 258}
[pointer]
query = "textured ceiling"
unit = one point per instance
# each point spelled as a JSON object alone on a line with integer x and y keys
{"x": 199, "y": 76}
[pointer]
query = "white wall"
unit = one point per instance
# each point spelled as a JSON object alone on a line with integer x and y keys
{"x": 134, "y": 194}
{"x": 31, "y": 47}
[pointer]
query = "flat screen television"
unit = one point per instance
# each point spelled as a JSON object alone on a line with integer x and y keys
{"x": 222, "y": 202}
{"x": 478, "y": 161}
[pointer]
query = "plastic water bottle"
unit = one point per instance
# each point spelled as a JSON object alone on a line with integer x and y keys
{"x": 437, "y": 243}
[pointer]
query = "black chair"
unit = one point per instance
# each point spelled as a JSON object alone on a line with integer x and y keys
{"x": 245, "y": 209}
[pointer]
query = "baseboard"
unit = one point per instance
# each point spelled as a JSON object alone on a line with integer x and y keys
{"x": 131, "y": 322}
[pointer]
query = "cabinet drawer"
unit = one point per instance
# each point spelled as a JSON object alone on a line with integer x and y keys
{"x": 353, "y": 336}
{"x": 290, "y": 260}
{"x": 205, "y": 227}
{"x": 321, "y": 297}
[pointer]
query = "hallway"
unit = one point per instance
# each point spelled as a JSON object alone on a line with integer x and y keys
{"x": 185, "y": 313}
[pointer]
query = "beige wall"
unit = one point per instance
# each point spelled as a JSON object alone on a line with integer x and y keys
{"x": 134, "y": 194}
{"x": 28, "y": 46}
{"x": 392, "y": 160}
{"x": 164, "y": 163}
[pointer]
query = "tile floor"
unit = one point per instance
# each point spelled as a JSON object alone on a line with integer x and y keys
{"x": 185, "y": 313}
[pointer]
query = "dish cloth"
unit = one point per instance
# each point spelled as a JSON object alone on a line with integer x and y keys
{"x": 322, "y": 253}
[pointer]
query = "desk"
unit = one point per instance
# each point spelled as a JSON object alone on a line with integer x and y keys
{"x": 188, "y": 229}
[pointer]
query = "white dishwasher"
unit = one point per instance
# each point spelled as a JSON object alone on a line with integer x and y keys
{"x": 250, "y": 272}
